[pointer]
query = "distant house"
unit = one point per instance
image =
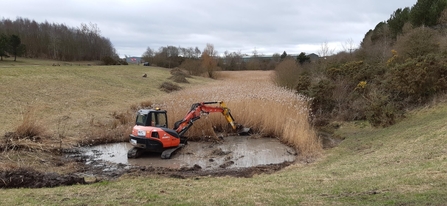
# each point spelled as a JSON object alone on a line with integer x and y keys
{"x": 313, "y": 57}
{"x": 133, "y": 60}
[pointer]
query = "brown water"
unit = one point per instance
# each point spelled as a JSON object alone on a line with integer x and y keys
{"x": 232, "y": 152}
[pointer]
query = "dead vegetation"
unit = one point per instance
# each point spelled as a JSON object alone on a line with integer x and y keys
{"x": 29, "y": 135}
{"x": 179, "y": 75}
{"x": 115, "y": 129}
{"x": 179, "y": 79}
{"x": 169, "y": 87}
{"x": 30, "y": 128}
{"x": 255, "y": 102}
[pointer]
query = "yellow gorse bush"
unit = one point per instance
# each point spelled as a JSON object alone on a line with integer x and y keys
{"x": 361, "y": 85}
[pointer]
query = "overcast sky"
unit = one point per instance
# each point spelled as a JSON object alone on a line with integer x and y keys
{"x": 230, "y": 25}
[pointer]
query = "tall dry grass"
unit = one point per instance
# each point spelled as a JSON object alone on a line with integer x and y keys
{"x": 30, "y": 134}
{"x": 255, "y": 102}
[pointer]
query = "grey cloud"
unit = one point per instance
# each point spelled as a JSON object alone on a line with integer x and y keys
{"x": 268, "y": 26}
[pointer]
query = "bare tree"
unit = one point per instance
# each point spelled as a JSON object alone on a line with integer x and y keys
{"x": 276, "y": 57}
{"x": 189, "y": 53}
{"x": 233, "y": 61}
{"x": 197, "y": 52}
{"x": 254, "y": 62}
{"x": 209, "y": 50}
{"x": 255, "y": 52}
{"x": 325, "y": 50}
{"x": 149, "y": 53}
{"x": 349, "y": 46}
{"x": 209, "y": 62}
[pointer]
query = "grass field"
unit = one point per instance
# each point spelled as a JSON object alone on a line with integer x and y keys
{"x": 74, "y": 97}
{"x": 405, "y": 164}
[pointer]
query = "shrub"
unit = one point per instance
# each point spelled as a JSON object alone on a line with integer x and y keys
{"x": 286, "y": 73}
{"x": 418, "y": 42}
{"x": 382, "y": 111}
{"x": 303, "y": 84}
{"x": 322, "y": 101}
{"x": 122, "y": 62}
{"x": 107, "y": 60}
{"x": 418, "y": 79}
{"x": 193, "y": 66}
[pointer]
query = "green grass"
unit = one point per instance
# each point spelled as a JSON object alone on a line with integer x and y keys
{"x": 405, "y": 164}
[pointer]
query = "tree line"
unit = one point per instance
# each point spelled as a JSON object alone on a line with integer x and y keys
{"x": 58, "y": 41}
{"x": 400, "y": 64}
{"x": 199, "y": 62}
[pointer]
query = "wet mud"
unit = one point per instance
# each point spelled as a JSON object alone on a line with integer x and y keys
{"x": 231, "y": 152}
{"x": 29, "y": 178}
{"x": 240, "y": 156}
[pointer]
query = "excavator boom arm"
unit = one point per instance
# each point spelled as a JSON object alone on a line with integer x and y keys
{"x": 197, "y": 110}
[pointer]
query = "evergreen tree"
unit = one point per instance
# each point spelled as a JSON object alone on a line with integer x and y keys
{"x": 15, "y": 46}
{"x": 3, "y": 46}
{"x": 427, "y": 12}
{"x": 283, "y": 55}
{"x": 302, "y": 58}
{"x": 397, "y": 21}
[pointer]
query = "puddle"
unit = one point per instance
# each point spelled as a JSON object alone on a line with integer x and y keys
{"x": 232, "y": 152}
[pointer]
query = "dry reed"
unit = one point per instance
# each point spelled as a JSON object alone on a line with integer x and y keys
{"x": 255, "y": 102}
{"x": 116, "y": 129}
{"x": 30, "y": 134}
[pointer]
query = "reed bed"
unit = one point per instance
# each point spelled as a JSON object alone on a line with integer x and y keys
{"x": 255, "y": 102}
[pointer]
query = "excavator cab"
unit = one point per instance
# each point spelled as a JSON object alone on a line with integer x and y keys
{"x": 151, "y": 133}
{"x": 152, "y": 117}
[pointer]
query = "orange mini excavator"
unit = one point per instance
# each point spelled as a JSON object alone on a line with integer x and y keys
{"x": 151, "y": 132}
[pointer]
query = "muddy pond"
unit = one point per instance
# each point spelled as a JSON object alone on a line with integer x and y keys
{"x": 232, "y": 152}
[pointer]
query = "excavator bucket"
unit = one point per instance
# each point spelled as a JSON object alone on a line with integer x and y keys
{"x": 241, "y": 130}
{"x": 244, "y": 131}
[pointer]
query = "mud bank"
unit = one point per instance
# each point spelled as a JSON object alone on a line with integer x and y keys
{"x": 233, "y": 156}
{"x": 29, "y": 178}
